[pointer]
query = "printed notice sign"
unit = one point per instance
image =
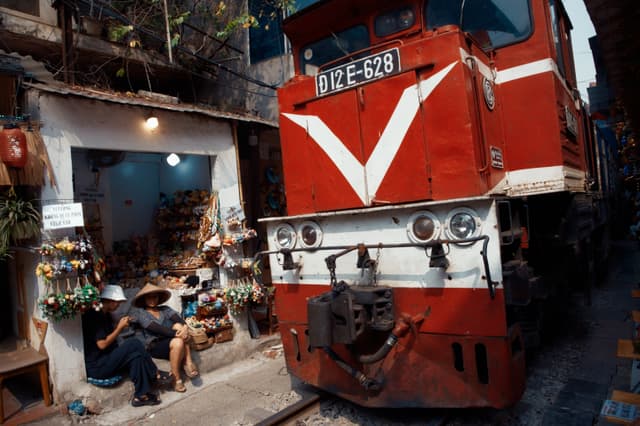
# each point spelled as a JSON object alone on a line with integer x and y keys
{"x": 204, "y": 274}
{"x": 58, "y": 216}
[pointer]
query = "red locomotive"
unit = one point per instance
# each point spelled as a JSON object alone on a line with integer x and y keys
{"x": 440, "y": 176}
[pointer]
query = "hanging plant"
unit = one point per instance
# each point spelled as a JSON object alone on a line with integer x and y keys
{"x": 45, "y": 270}
{"x": 87, "y": 298}
{"x": 57, "y": 306}
{"x": 237, "y": 297}
{"x": 19, "y": 221}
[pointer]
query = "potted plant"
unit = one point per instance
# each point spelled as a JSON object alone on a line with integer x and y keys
{"x": 19, "y": 221}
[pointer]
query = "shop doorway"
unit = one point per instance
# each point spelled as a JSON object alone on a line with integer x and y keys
{"x": 8, "y": 339}
{"x": 124, "y": 195}
{"x": 22, "y": 391}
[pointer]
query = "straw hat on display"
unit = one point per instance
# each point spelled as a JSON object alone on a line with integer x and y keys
{"x": 113, "y": 292}
{"x": 163, "y": 295}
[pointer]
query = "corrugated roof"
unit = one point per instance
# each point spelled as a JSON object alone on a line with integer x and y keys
{"x": 140, "y": 100}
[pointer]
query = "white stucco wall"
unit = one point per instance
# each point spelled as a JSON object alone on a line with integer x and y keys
{"x": 78, "y": 122}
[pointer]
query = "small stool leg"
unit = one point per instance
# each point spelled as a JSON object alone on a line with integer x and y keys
{"x": 1, "y": 401}
{"x": 44, "y": 383}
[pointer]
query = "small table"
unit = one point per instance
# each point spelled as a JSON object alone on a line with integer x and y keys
{"x": 625, "y": 349}
{"x": 23, "y": 361}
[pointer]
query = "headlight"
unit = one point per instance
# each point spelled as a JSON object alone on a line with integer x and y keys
{"x": 310, "y": 235}
{"x": 423, "y": 227}
{"x": 463, "y": 223}
{"x": 285, "y": 236}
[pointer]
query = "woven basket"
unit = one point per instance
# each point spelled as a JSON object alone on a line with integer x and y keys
{"x": 201, "y": 346}
{"x": 224, "y": 335}
{"x": 198, "y": 335}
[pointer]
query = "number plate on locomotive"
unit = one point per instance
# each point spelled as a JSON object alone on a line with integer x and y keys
{"x": 358, "y": 72}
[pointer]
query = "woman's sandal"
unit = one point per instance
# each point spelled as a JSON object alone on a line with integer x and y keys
{"x": 191, "y": 371}
{"x": 179, "y": 386}
{"x": 148, "y": 399}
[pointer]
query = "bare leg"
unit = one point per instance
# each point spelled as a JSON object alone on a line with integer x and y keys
{"x": 189, "y": 366}
{"x": 176, "y": 355}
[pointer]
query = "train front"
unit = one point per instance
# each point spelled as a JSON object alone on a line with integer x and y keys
{"x": 387, "y": 270}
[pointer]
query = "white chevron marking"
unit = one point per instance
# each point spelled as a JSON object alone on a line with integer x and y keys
{"x": 372, "y": 174}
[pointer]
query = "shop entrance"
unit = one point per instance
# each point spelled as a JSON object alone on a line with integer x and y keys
{"x": 8, "y": 339}
{"x": 23, "y": 382}
{"x": 127, "y": 198}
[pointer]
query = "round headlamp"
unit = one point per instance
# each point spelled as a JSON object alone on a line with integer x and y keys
{"x": 462, "y": 223}
{"x": 310, "y": 234}
{"x": 285, "y": 236}
{"x": 423, "y": 226}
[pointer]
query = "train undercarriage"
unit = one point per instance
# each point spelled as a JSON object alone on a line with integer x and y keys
{"x": 549, "y": 259}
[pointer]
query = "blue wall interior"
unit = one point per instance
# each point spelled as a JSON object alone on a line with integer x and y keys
{"x": 135, "y": 184}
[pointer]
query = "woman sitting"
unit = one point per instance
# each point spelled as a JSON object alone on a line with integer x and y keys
{"x": 104, "y": 358}
{"x": 165, "y": 333}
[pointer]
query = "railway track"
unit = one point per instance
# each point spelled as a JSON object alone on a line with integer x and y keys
{"x": 550, "y": 369}
{"x": 311, "y": 404}
{"x": 307, "y": 406}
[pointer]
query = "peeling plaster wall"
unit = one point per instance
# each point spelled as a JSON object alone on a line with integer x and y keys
{"x": 77, "y": 122}
{"x": 275, "y": 71}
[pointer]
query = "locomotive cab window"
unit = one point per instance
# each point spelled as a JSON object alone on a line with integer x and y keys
{"x": 394, "y": 21}
{"x": 335, "y": 46}
{"x": 561, "y": 27}
{"x": 493, "y": 23}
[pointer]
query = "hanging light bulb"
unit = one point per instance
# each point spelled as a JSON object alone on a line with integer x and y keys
{"x": 151, "y": 123}
{"x": 173, "y": 159}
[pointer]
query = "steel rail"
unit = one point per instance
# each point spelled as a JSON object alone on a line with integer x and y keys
{"x": 309, "y": 404}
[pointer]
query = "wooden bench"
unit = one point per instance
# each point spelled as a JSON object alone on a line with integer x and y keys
{"x": 24, "y": 361}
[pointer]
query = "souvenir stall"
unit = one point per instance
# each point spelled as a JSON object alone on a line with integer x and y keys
{"x": 180, "y": 225}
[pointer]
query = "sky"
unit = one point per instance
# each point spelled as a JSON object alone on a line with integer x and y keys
{"x": 582, "y": 31}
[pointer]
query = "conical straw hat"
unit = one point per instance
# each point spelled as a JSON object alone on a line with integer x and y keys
{"x": 149, "y": 288}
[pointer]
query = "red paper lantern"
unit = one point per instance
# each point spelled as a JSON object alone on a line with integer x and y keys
{"x": 13, "y": 146}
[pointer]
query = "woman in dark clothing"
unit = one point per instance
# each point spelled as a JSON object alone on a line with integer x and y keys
{"x": 165, "y": 332}
{"x": 104, "y": 358}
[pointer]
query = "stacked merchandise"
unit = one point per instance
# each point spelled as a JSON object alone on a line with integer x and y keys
{"x": 209, "y": 315}
{"x": 178, "y": 220}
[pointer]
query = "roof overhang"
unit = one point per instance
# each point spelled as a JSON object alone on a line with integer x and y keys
{"x": 140, "y": 100}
